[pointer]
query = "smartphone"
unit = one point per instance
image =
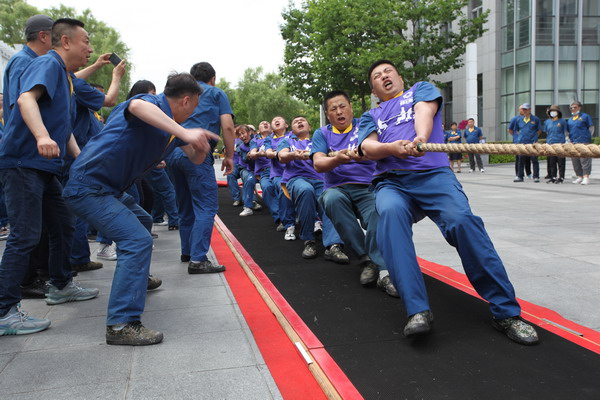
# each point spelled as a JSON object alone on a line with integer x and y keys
{"x": 114, "y": 59}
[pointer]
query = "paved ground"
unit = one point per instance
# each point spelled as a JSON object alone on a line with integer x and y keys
{"x": 546, "y": 234}
{"x": 208, "y": 351}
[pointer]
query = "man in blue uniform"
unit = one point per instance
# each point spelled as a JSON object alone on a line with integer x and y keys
{"x": 529, "y": 127}
{"x": 138, "y": 135}
{"x": 196, "y": 185}
{"x": 410, "y": 185}
{"x": 581, "y": 128}
{"x": 346, "y": 198}
{"x": 37, "y": 136}
{"x": 473, "y": 134}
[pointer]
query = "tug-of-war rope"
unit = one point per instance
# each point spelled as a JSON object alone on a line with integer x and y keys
{"x": 536, "y": 149}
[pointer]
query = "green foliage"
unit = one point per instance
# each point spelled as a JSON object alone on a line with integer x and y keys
{"x": 260, "y": 96}
{"x": 103, "y": 38}
{"x": 330, "y": 44}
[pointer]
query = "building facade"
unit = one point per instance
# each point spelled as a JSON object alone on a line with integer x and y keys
{"x": 541, "y": 52}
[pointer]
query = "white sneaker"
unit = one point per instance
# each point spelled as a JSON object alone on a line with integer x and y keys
{"x": 164, "y": 223}
{"x": 246, "y": 212}
{"x": 318, "y": 227}
{"x": 585, "y": 181}
{"x": 107, "y": 252}
{"x": 578, "y": 181}
{"x": 482, "y": 170}
{"x": 471, "y": 170}
{"x": 256, "y": 206}
{"x": 237, "y": 203}
{"x": 290, "y": 233}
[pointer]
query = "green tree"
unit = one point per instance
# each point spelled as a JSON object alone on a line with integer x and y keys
{"x": 103, "y": 38}
{"x": 330, "y": 44}
{"x": 261, "y": 96}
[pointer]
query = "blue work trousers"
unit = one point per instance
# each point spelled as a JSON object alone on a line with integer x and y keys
{"x": 525, "y": 160}
{"x": 232, "y": 183}
{"x": 197, "y": 201}
{"x": 305, "y": 193}
{"x": 269, "y": 194}
{"x": 249, "y": 185}
{"x": 125, "y": 222}
{"x": 287, "y": 214}
{"x": 33, "y": 197}
{"x": 351, "y": 208}
{"x": 403, "y": 200}
{"x": 164, "y": 195}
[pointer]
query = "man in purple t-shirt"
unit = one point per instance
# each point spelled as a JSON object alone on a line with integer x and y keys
{"x": 346, "y": 198}
{"x": 304, "y": 186}
{"x": 410, "y": 185}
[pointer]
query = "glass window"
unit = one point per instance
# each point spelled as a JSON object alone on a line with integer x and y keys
{"x": 507, "y": 108}
{"x": 568, "y": 7}
{"x": 523, "y": 78}
{"x": 523, "y": 9}
{"x": 590, "y": 75}
{"x": 544, "y": 77}
{"x": 476, "y": 8}
{"x": 591, "y": 8}
{"x": 566, "y": 97}
{"x": 508, "y": 38}
{"x": 508, "y": 12}
{"x": 544, "y": 7}
{"x": 567, "y": 75}
{"x": 543, "y": 98}
{"x": 508, "y": 80}
{"x": 523, "y": 98}
{"x": 590, "y": 97}
{"x": 590, "y": 34}
{"x": 523, "y": 31}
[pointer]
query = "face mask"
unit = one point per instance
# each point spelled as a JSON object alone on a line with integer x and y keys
{"x": 554, "y": 114}
{"x": 575, "y": 113}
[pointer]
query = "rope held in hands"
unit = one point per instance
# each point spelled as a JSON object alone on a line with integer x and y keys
{"x": 536, "y": 149}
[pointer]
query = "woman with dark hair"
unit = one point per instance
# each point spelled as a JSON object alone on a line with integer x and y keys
{"x": 554, "y": 127}
{"x": 141, "y": 86}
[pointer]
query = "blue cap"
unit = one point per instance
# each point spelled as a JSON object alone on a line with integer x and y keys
{"x": 526, "y": 106}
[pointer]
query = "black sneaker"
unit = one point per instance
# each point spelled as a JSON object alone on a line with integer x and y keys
{"x": 89, "y": 266}
{"x": 336, "y": 254}
{"x": 518, "y": 180}
{"x": 35, "y": 290}
{"x": 387, "y": 286}
{"x": 419, "y": 324}
{"x": 153, "y": 282}
{"x": 559, "y": 180}
{"x": 310, "y": 249}
{"x": 133, "y": 334}
{"x": 185, "y": 258}
{"x": 204, "y": 267}
{"x": 517, "y": 330}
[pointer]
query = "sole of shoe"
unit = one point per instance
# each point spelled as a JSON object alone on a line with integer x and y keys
{"x": 107, "y": 258}
{"x": 193, "y": 271}
{"x": 52, "y": 302}
{"x": 134, "y": 342}
{"x": 15, "y": 332}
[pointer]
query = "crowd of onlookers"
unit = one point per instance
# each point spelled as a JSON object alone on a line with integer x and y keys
{"x": 526, "y": 128}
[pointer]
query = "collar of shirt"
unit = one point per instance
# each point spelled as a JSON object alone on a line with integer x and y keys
{"x": 336, "y": 130}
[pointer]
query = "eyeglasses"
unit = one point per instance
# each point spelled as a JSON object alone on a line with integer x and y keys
{"x": 574, "y": 108}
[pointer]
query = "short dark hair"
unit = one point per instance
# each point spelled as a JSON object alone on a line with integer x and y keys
{"x": 182, "y": 84}
{"x": 471, "y": 119}
{"x": 334, "y": 93}
{"x": 64, "y": 26}
{"x": 203, "y": 72}
{"x": 141, "y": 86}
{"x": 453, "y": 123}
{"x": 375, "y": 65}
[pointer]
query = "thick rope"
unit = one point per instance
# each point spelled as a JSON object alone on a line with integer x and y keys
{"x": 536, "y": 149}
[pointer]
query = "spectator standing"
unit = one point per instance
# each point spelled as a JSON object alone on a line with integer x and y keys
{"x": 472, "y": 135}
{"x": 529, "y": 127}
{"x": 581, "y": 128}
{"x": 454, "y": 136}
{"x": 555, "y": 127}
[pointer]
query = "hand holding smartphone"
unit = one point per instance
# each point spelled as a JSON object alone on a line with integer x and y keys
{"x": 114, "y": 59}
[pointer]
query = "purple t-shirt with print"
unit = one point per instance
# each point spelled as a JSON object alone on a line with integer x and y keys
{"x": 394, "y": 120}
{"x": 302, "y": 168}
{"x": 325, "y": 140}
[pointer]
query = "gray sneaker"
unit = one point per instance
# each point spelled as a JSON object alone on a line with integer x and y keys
{"x": 71, "y": 292}
{"x": 387, "y": 286}
{"x": 133, "y": 334}
{"x": 419, "y": 324}
{"x": 310, "y": 249}
{"x": 204, "y": 267}
{"x": 517, "y": 330}
{"x": 153, "y": 282}
{"x": 369, "y": 273}
{"x": 336, "y": 254}
{"x": 18, "y": 322}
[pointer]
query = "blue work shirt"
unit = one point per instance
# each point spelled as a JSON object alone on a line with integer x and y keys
{"x": 18, "y": 148}
{"x": 473, "y": 136}
{"x": 452, "y": 134}
{"x": 579, "y": 128}
{"x": 555, "y": 130}
{"x": 528, "y": 130}
{"x": 126, "y": 148}
{"x": 88, "y": 99}
{"x": 212, "y": 104}
{"x": 513, "y": 127}
{"x": 13, "y": 71}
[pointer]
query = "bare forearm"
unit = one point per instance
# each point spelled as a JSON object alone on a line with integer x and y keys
{"x": 72, "y": 147}
{"x": 30, "y": 111}
{"x": 153, "y": 115}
